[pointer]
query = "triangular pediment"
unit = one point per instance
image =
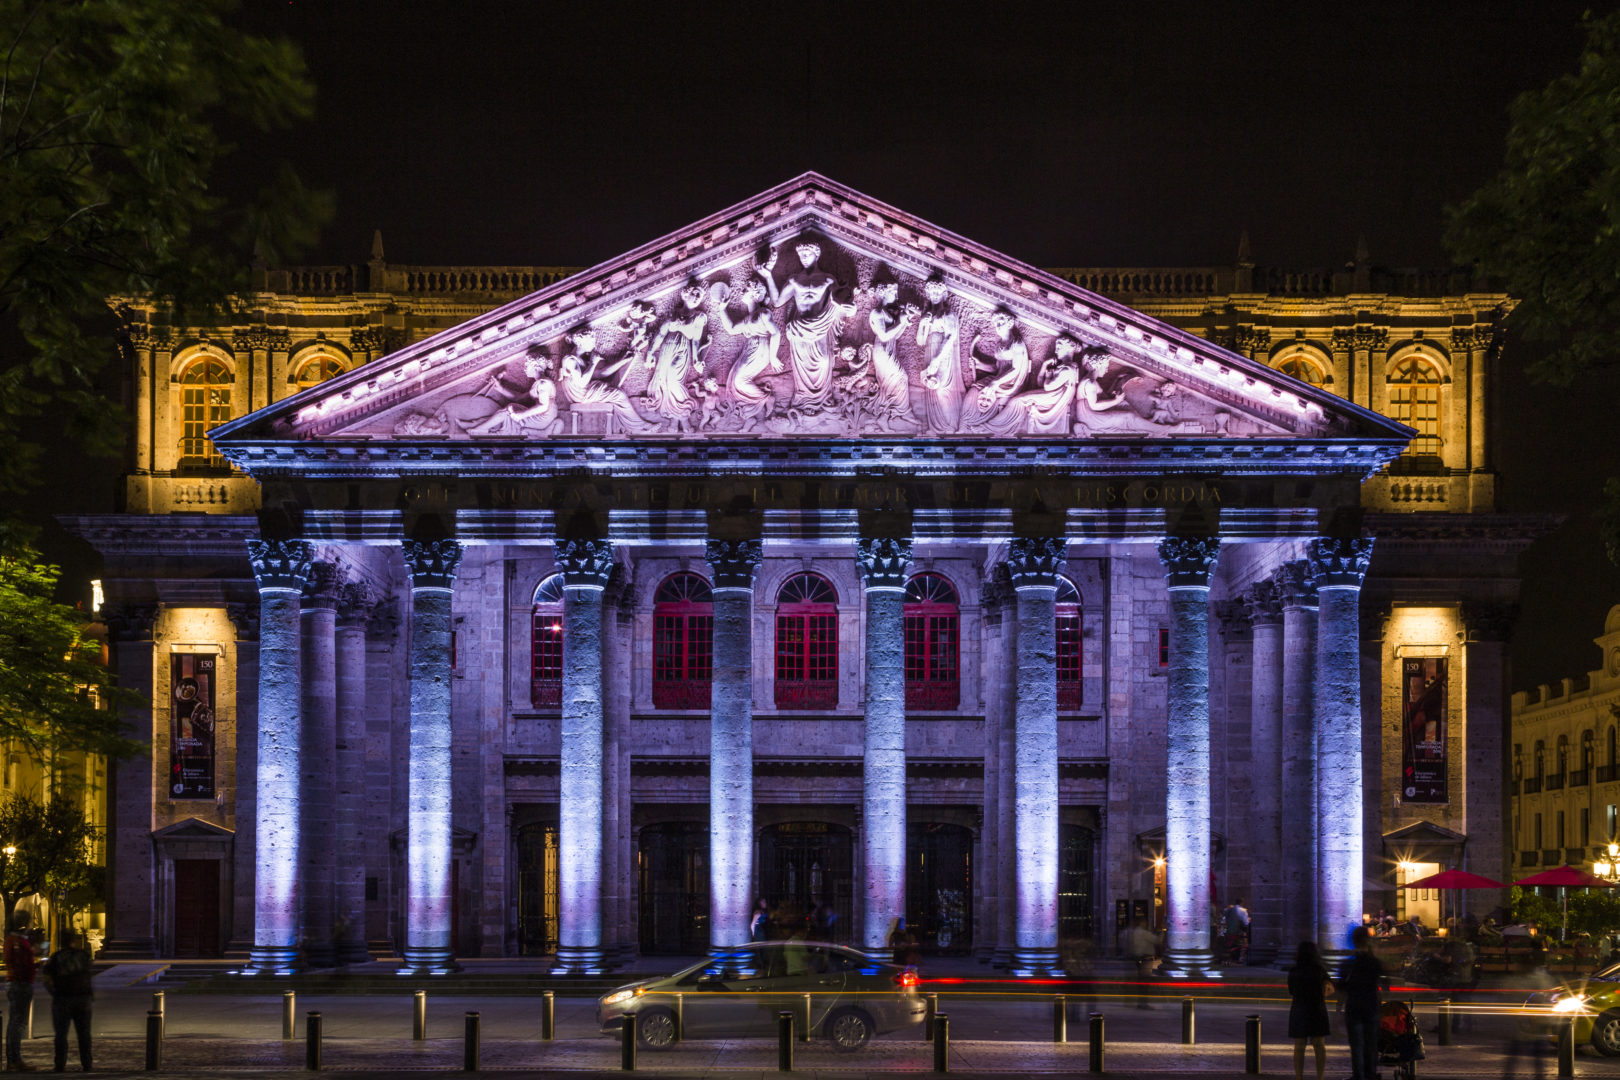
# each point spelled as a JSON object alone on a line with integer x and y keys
{"x": 809, "y": 312}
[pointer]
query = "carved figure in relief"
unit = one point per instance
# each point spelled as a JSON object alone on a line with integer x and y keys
{"x": 578, "y": 374}
{"x": 888, "y": 321}
{"x": 637, "y": 322}
{"x": 1097, "y": 414}
{"x": 812, "y": 323}
{"x": 676, "y": 355}
{"x": 540, "y": 418}
{"x": 1011, "y": 368}
{"x": 939, "y": 333}
{"x": 1046, "y": 411}
{"x": 749, "y": 399}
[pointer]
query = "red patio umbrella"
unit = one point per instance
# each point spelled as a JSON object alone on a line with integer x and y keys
{"x": 1454, "y": 879}
{"x": 1566, "y": 877}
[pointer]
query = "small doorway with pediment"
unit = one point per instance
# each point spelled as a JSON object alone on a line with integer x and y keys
{"x": 194, "y": 884}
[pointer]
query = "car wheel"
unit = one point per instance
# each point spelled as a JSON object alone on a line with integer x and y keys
{"x": 655, "y": 1028}
{"x": 848, "y": 1029}
{"x": 1606, "y": 1034}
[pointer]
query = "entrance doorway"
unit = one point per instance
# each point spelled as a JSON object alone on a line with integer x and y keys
{"x": 803, "y": 864}
{"x": 672, "y": 867}
{"x": 537, "y": 889}
{"x": 196, "y": 908}
{"x": 939, "y": 886}
{"x": 1424, "y": 903}
{"x": 1076, "y": 843}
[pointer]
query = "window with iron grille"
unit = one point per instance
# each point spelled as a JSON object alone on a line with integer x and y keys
{"x": 683, "y": 643}
{"x": 807, "y": 644}
{"x": 546, "y": 650}
{"x": 933, "y": 623}
{"x": 1070, "y": 665}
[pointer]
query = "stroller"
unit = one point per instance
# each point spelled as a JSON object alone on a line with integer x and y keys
{"x": 1399, "y": 1042}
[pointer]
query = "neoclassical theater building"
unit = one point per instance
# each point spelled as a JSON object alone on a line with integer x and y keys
{"x": 811, "y": 554}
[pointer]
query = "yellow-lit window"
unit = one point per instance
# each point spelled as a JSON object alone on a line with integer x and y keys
{"x": 316, "y": 370}
{"x": 205, "y": 403}
{"x": 1304, "y": 369}
{"x": 1414, "y": 400}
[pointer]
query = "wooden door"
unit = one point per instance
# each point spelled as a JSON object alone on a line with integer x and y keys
{"x": 196, "y": 907}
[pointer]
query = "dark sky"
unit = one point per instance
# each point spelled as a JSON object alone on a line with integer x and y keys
{"x": 1060, "y": 133}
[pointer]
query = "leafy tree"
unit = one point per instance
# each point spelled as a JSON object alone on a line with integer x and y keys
{"x": 115, "y": 117}
{"x": 55, "y": 692}
{"x": 44, "y": 848}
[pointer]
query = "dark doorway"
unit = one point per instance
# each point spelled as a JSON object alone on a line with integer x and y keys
{"x": 1075, "y": 847}
{"x": 196, "y": 907}
{"x": 537, "y": 890}
{"x": 939, "y": 886}
{"x": 672, "y": 867}
{"x": 803, "y": 864}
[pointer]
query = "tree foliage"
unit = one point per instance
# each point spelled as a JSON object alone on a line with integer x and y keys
{"x": 55, "y": 693}
{"x": 45, "y": 849}
{"x": 115, "y": 119}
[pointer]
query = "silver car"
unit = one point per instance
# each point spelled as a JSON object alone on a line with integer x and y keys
{"x": 739, "y": 992}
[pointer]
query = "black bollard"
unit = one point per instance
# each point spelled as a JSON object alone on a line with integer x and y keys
{"x": 158, "y": 1007}
{"x": 289, "y": 1013}
{"x": 627, "y": 1047}
{"x": 805, "y": 1021}
{"x": 1187, "y": 1038}
{"x": 1251, "y": 1044}
{"x": 548, "y": 1015}
{"x": 312, "y": 1042}
{"x": 419, "y": 1016}
{"x": 1096, "y": 1056}
{"x": 930, "y": 1010}
{"x": 784, "y": 1041}
{"x": 469, "y": 1043}
{"x": 1060, "y": 1018}
{"x": 154, "y": 1041}
{"x": 680, "y": 1017}
{"x": 1445, "y": 1021}
{"x": 1566, "y": 1048}
{"x": 942, "y": 1043}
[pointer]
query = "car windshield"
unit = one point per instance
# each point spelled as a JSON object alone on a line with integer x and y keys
{"x": 1608, "y": 974}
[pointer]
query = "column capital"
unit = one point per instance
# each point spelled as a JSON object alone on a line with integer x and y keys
{"x": 280, "y": 564}
{"x": 1339, "y": 564}
{"x": 432, "y": 562}
{"x": 1236, "y": 624}
{"x": 245, "y": 617}
{"x": 130, "y": 622}
{"x": 585, "y": 563}
{"x": 733, "y": 562}
{"x": 1034, "y": 562}
{"x": 883, "y": 562}
{"x": 1189, "y": 560}
{"x": 322, "y": 586}
{"x": 1265, "y": 603}
{"x": 1296, "y": 582}
{"x": 1488, "y": 620}
{"x": 355, "y": 601}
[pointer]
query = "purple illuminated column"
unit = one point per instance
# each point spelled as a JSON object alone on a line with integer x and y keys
{"x": 1265, "y": 734}
{"x": 354, "y": 608}
{"x": 585, "y": 566}
{"x": 281, "y": 568}
{"x": 319, "y": 764}
{"x": 883, "y": 564}
{"x": 731, "y": 740}
{"x": 1340, "y": 566}
{"x": 428, "y": 903}
{"x": 1033, "y": 565}
{"x": 1297, "y": 582}
{"x": 1188, "y": 562}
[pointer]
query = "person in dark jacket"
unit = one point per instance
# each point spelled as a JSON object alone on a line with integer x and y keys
{"x": 67, "y": 976}
{"x": 1308, "y": 987}
{"x": 1360, "y": 982}
{"x": 19, "y": 955}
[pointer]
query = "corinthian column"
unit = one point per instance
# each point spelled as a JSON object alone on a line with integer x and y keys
{"x": 281, "y": 568}
{"x": 883, "y": 564}
{"x": 731, "y": 740}
{"x": 1265, "y": 734}
{"x": 586, "y": 566}
{"x": 1187, "y": 857}
{"x": 428, "y": 903}
{"x": 1034, "y": 564}
{"x": 319, "y": 761}
{"x": 354, "y": 608}
{"x": 1340, "y": 565}
{"x": 1297, "y": 582}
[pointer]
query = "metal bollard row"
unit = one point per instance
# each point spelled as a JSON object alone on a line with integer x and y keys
{"x": 312, "y": 1042}
{"x": 1445, "y": 1022}
{"x": 154, "y": 1041}
{"x": 419, "y": 1016}
{"x": 1187, "y": 1036}
{"x": 1251, "y": 1044}
{"x": 548, "y": 1015}
{"x": 289, "y": 1012}
{"x": 627, "y": 1045}
{"x": 1060, "y": 1018}
{"x": 470, "y": 1038}
{"x": 942, "y": 1043}
{"x": 1095, "y": 1057}
{"x": 1566, "y": 1048}
{"x": 930, "y": 1010}
{"x": 158, "y": 1007}
{"x": 784, "y": 1041}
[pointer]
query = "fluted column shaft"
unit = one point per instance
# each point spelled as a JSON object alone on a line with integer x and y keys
{"x": 281, "y": 568}
{"x": 428, "y": 903}
{"x": 883, "y": 564}
{"x": 1298, "y": 802}
{"x": 349, "y": 885}
{"x": 731, "y": 741}
{"x": 319, "y": 762}
{"x": 586, "y": 566}
{"x": 1340, "y": 566}
{"x": 1265, "y": 733}
{"x": 1187, "y": 856}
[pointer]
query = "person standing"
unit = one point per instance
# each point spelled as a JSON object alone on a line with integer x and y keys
{"x": 19, "y": 957}
{"x": 67, "y": 976}
{"x": 1361, "y": 980}
{"x": 1308, "y": 990}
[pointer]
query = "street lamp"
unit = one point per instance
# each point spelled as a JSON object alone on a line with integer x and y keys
{"x": 1608, "y": 866}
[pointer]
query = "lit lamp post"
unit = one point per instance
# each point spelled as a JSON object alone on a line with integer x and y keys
{"x": 1608, "y": 865}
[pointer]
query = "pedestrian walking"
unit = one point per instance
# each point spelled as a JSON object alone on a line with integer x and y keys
{"x": 67, "y": 977}
{"x": 1308, "y": 989}
{"x": 19, "y": 957}
{"x": 759, "y": 926}
{"x": 1361, "y": 980}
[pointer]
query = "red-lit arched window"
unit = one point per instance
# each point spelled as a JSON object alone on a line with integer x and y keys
{"x": 683, "y": 643}
{"x": 1069, "y": 664}
{"x": 933, "y": 624}
{"x": 807, "y": 644}
{"x": 546, "y": 651}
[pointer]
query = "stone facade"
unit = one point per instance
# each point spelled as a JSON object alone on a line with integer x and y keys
{"x": 927, "y": 641}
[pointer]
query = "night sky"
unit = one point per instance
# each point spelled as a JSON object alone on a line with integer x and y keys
{"x": 1060, "y": 133}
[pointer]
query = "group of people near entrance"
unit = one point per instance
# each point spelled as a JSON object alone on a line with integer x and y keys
{"x": 1356, "y": 988}
{"x": 66, "y": 975}
{"x": 786, "y": 920}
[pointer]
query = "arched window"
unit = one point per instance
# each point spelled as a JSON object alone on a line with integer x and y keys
{"x": 683, "y": 643}
{"x": 933, "y": 632}
{"x": 205, "y": 403}
{"x": 1541, "y": 760}
{"x": 1588, "y": 755}
{"x": 546, "y": 648}
{"x": 1070, "y": 667}
{"x": 1414, "y": 400}
{"x": 1304, "y": 368}
{"x": 1563, "y": 754}
{"x": 1614, "y": 748}
{"x": 807, "y": 644}
{"x": 316, "y": 370}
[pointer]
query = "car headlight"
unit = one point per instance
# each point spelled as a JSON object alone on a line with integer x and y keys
{"x": 1571, "y": 1004}
{"x": 618, "y": 997}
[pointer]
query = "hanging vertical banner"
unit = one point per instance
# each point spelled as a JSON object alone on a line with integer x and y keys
{"x": 1423, "y": 727}
{"x": 191, "y": 726}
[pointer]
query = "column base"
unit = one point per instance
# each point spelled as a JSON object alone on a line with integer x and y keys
{"x": 579, "y": 960}
{"x": 353, "y": 952}
{"x": 1036, "y": 962}
{"x": 127, "y": 949}
{"x": 267, "y": 960}
{"x": 428, "y": 960}
{"x": 1196, "y": 963}
{"x": 1264, "y": 955}
{"x": 319, "y": 956}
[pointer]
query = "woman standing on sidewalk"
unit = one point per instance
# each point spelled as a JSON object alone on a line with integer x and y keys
{"x": 1309, "y": 988}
